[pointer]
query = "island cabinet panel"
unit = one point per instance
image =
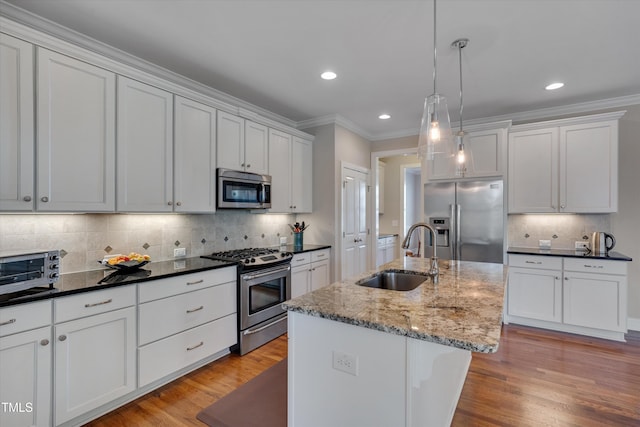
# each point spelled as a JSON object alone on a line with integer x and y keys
{"x": 16, "y": 124}
{"x": 369, "y": 377}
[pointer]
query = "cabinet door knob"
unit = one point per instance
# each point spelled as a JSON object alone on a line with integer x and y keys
{"x": 562, "y": 206}
{"x": 44, "y": 342}
{"x": 169, "y": 203}
{"x": 62, "y": 338}
{"x": 44, "y": 199}
{"x": 242, "y": 165}
{"x": 249, "y": 165}
{"x": 179, "y": 203}
{"x": 557, "y": 278}
{"x": 27, "y": 198}
{"x": 566, "y": 278}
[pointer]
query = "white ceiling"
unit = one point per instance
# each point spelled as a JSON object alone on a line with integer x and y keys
{"x": 270, "y": 53}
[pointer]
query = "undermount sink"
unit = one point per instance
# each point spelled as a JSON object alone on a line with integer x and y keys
{"x": 394, "y": 280}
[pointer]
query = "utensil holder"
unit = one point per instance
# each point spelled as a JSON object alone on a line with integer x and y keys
{"x": 297, "y": 239}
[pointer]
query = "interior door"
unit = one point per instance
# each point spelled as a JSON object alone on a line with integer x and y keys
{"x": 355, "y": 225}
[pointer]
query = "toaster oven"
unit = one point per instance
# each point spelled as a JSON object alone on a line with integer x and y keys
{"x": 20, "y": 271}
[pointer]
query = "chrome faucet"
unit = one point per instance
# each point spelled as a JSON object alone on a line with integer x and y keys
{"x": 434, "y": 271}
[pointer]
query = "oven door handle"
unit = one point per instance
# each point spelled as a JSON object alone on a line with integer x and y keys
{"x": 266, "y": 273}
{"x": 261, "y": 328}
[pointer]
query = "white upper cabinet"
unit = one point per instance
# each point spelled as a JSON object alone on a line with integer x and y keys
{"x": 16, "y": 125}
{"x": 242, "y": 144}
{"x": 568, "y": 165}
{"x": 256, "y": 147}
{"x": 145, "y": 148}
{"x": 291, "y": 170}
{"x": 280, "y": 170}
{"x": 194, "y": 160}
{"x": 484, "y": 147}
{"x": 75, "y": 135}
{"x": 302, "y": 175}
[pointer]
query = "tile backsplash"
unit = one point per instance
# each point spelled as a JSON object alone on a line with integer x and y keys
{"x": 563, "y": 230}
{"x": 87, "y": 238}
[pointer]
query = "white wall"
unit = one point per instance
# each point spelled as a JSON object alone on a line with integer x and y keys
{"x": 393, "y": 209}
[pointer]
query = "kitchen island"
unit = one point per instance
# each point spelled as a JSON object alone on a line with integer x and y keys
{"x": 361, "y": 356}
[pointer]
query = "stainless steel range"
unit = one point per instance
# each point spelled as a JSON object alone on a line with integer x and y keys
{"x": 264, "y": 283}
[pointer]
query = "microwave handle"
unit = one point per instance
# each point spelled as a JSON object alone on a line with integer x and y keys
{"x": 263, "y": 194}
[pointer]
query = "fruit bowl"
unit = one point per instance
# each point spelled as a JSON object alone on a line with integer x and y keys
{"x": 129, "y": 262}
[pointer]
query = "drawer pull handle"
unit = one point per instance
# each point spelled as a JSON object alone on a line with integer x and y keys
{"x": 200, "y": 344}
{"x": 44, "y": 342}
{"x": 62, "y": 338}
{"x": 533, "y": 262}
{"x": 195, "y": 309}
{"x": 320, "y": 255}
{"x": 99, "y": 303}
{"x": 593, "y": 266}
{"x": 8, "y": 322}
{"x": 195, "y": 283}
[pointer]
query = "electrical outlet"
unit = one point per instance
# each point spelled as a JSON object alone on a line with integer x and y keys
{"x": 544, "y": 244}
{"x": 345, "y": 362}
{"x": 179, "y": 252}
{"x": 582, "y": 245}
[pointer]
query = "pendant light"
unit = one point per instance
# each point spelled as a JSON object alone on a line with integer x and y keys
{"x": 461, "y": 166}
{"x": 435, "y": 128}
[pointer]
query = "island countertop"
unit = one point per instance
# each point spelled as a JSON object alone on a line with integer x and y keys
{"x": 463, "y": 310}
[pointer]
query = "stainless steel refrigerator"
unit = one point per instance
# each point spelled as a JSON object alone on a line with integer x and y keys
{"x": 468, "y": 218}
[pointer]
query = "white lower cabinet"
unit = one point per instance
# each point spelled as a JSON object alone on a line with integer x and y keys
{"x": 310, "y": 271}
{"x": 95, "y": 355}
{"x": 386, "y": 250}
{"x": 578, "y": 295}
{"x": 595, "y": 294}
{"x": 25, "y": 364}
{"x": 183, "y": 320}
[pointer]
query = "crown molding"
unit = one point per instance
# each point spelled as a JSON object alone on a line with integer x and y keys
{"x": 614, "y": 115}
{"x": 43, "y": 32}
{"x": 504, "y": 120}
{"x": 334, "y": 119}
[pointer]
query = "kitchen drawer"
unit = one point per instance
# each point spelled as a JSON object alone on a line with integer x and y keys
{"x": 168, "y": 316}
{"x": 301, "y": 259}
{"x": 602, "y": 266}
{"x": 163, "y": 288}
{"x": 164, "y": 357}
{"x": 22, "y": 317}
{"x": 93, "y": 302}
{"x": 320, "y": 255}
{"x": 535, "y": 261}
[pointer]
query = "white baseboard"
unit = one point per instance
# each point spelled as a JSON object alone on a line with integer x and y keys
{"x": 633, "y": 324}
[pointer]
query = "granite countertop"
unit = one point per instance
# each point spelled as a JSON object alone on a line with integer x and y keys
{"x": 613, "y": 256}
{"x": 92, "y": 280}
{"x": 464, "y": 310}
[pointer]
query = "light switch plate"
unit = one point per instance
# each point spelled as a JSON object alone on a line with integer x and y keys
{"x": 544, "y": 244}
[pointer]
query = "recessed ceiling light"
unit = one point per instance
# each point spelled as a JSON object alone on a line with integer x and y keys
{"x": 328, "y": 75}
{"x": 384, "y": 116}
{"x": 554, "y": 86}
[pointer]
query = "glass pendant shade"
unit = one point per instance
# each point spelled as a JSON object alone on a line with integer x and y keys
{"x": 435, "y": 129}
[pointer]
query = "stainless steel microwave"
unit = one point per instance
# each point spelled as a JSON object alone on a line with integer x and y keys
{"x": 20, "y": 271}
{"x": 243, "y": 190}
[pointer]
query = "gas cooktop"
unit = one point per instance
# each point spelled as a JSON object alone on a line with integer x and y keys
{"x": 253, "y": 257}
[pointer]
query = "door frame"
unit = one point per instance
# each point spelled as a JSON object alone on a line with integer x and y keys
{"x": 373, "y": 176}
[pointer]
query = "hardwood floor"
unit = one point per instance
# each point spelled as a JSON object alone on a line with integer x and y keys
{"x": 537, "y": 378}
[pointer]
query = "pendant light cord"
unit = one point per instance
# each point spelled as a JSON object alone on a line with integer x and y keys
{"x": 460, "y": 61}
{"x": 434, "y": 47}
